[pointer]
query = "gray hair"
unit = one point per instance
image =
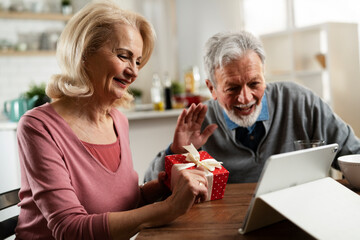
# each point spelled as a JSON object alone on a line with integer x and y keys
{"x": 224, "y": 47}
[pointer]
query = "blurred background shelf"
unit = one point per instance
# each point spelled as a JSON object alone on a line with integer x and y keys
{"x": 27, "y": 53}
{"x": 319, "y": 58}
{"x": 34, "y": 16}
{"x": 25, "y": 49}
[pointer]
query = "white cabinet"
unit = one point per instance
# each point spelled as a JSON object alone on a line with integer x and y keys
{"x": 9, "y": 160}
{"x": 150, "y": 132}
{"x": 324, "y": 58}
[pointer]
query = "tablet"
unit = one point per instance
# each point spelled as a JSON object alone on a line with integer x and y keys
{"x": 284, "y": 171}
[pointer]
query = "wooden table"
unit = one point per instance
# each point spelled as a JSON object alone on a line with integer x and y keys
{"x": 221, "y": 219}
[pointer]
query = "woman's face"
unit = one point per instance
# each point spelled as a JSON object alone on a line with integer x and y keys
{"x": 114, "y": 66}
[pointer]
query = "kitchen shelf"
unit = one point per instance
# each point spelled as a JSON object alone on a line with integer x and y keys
{"x": 35, "y": 16}
{"x": 308, "y": 73}
{"x": 323, "y": 58}
{"x": 39, "y": 53}
{"x": 20, "y": 16}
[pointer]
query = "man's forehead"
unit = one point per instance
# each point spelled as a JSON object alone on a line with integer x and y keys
{"x": 236, "y": 74}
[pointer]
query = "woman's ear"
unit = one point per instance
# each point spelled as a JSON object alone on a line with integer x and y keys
{"x": 211, "y": 87}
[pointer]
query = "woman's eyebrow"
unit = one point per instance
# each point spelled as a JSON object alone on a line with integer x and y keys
{"x": 130, "y": 53}
{"x": 124, "y": 50}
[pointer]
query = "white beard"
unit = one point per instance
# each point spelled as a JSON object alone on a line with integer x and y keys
{"x": 246, "y": 121}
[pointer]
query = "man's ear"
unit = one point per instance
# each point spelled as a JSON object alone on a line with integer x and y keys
{"x": 211, "y": 87}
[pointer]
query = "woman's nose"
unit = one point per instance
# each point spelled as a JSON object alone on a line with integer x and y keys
{"x": 132, "y": 70}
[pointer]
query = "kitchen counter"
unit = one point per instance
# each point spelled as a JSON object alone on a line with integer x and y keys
{"x": 136, "y": 115}
{"x": 5, "y": 124}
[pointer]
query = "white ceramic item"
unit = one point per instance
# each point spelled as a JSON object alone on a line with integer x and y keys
{"x": 350, "y": 167}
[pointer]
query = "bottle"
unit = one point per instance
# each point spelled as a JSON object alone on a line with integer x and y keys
{"x": 196, "y": 76}
{"x": 192, "y": 80}
{"x": 167, "y": 92}
{"x": 189, "y": 81}
{"x": 157, "y": 93}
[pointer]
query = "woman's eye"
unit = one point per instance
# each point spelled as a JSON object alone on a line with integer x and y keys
{"x": 138, "y": 63}
{"x": 123, "y": 56}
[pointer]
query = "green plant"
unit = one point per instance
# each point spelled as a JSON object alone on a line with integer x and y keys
{"x": 136, "y": 92}
{"x": 177, "y": 88}
{"x": 65, "y": 2}
{"x": 37, "y": 90}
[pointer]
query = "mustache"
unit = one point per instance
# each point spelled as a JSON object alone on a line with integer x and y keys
{"x": 246, "y": 105}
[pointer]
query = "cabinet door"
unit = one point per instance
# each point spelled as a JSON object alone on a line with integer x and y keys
{"x": 9, "y": 161}
{"x": 9, "y": 170}
{"x": 279, "y": 58}
{"x": 308, "y": 45}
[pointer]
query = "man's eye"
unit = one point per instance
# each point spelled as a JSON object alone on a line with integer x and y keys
{"x": 253, "y": 84}
{"x": 232, "y": 89}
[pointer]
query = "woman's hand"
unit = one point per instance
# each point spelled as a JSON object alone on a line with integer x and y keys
{"x": 189, "y": 187}
{"x": 188, "y": 128}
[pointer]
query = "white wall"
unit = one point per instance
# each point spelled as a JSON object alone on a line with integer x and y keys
{"x": 196, "y": 22}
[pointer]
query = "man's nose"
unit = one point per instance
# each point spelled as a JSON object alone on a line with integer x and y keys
{"x": 245, "y": 95}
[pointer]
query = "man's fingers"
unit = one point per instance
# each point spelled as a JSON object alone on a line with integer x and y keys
{"x": 201, "y": 114}
{"x": 197, "y": 112}
{"x": 189, "y": 115}
{"x": 208, "y": 131}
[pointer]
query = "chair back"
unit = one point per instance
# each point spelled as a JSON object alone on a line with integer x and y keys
{"x": 8, "y": 199}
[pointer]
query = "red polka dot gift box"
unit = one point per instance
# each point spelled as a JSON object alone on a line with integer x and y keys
{"x": 217, "y": 178}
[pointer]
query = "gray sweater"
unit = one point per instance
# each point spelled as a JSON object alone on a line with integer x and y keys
{"x": 294, "y": 113}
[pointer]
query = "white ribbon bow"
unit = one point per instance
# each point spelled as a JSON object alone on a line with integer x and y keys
{"x": 193, "y": 156}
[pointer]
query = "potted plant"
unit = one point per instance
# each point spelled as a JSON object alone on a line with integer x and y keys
{"x": 177, "y": 88}
{"x": 66, "y": 7}
{"x": 137, "y": 93}
{"x": 37, "y": 90}
{"x": 179, "y": 98}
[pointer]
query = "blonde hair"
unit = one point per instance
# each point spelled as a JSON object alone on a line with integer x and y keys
{"x": 87, "y": 31}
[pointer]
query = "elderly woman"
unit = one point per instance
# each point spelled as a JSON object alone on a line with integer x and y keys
{"x": 77, "y": 176}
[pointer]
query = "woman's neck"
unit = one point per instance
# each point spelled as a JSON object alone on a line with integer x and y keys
{"x": 90, "y": 122}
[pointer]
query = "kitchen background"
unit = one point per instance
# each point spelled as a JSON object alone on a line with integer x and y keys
{"x": 182, "y": 27}
{"x": 294, "y": 33}
{"x": 313, "y": 42}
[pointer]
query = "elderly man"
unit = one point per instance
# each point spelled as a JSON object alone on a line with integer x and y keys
{"x": 248, "y": 120}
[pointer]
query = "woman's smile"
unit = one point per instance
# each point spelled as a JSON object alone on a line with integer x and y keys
{"x": 120, "y": 82}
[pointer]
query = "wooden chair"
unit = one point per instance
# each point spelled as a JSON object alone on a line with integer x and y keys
{"x": 8, "y": 199}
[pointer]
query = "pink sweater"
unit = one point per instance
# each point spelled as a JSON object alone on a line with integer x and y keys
{"x": 65, "y": 192}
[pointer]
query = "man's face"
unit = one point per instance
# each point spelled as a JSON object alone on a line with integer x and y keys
{"x": 240, "y": 88}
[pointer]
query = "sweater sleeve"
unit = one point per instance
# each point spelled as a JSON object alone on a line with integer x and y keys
{"x": 50, "y": 185}
{"x": 157, "y": 165}
{"x": 330, "y": 127}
